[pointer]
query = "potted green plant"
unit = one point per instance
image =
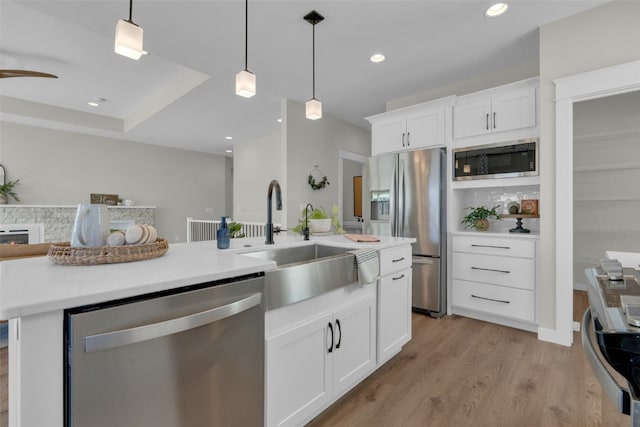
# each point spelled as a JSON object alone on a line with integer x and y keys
{"x": 7, "y": 190}
{"x": 478, "y": 218}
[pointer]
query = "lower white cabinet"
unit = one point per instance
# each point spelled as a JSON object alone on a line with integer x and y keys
{"x": 311, "y": 364}
{"x": 494, "y": 277}
{"x": 394, "y": 313}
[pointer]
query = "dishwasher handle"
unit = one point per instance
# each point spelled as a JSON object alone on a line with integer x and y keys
{"x": 107, "y": 340}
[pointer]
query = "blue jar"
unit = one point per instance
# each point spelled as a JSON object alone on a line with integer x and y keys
{"x": 222, "y": 234}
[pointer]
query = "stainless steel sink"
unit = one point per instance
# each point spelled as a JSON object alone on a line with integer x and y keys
{"x": 305, "y": 272}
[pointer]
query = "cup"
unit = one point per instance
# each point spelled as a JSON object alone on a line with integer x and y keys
{"x": 91, "y": 227}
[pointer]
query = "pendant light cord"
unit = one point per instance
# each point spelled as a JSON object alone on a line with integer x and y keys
{"x": 313, "y": 61}
{"x": 130, "y": 11}
{"x": 246, "y": 34}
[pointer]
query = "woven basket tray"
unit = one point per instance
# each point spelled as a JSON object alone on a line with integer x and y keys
{"x": 64, "y": 254}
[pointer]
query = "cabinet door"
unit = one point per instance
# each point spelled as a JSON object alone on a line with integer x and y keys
{"x": 515, "y": 110}
{"x": 472, "y": 119}
{"x": 394, "y": 313}
{"x": 425, "y": 129}
{"x": 298, "y": 372}
{"x": 355, "y": 336}
{"x": 388, "y": 135}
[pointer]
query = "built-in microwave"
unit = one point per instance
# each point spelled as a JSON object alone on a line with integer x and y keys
{"x": 502, "y": 160}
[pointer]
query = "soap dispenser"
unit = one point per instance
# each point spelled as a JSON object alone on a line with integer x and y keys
{"x": 223, "y": 234}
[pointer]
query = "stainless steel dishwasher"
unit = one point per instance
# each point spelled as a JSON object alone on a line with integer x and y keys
{"x": 179, "y": 359}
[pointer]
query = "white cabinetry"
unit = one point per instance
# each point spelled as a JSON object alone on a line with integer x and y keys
{"x": 419, "y": 126}
{"x": 312, "y": 363}
{"x": 506, "y": 108}
{"x": 494, "y": 278}
{"x": 394, "y": 301}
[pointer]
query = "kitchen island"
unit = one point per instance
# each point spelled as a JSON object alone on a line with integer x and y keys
{"x": 34, "y": 294}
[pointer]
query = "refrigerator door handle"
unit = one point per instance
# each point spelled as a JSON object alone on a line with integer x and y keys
{"x": 393, "y": 211}
{"x": 401, "y": 200}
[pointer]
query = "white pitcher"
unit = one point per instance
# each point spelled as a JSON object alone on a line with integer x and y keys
{"x": 91, "y": 227}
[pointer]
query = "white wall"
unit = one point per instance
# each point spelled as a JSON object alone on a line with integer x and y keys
{"x": 600, "y": 37}
{"x": 63, "y": 168}
{"x": 316, "y": 142}
{"x": 255, "y": 164}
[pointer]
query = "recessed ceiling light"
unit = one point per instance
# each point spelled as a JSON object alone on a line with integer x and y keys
{"x": 228, "y": 151}
{"x": 228, "y": 137}
{"x": 377, "y": 57}
{"x": 93, "y": 104}
{"x": 279, "y": 120}
{"x": 496, "y": 10}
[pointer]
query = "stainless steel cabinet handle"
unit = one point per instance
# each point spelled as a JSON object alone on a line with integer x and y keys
{"x": 490, "y": 299}
{"x": 403, "y": 139}
{"x": 491, "y": 269}
{"x": 489, "y": 246}
{"x": 487, "y": 121}
{"x": 398, "y": 259}
{"x": 494, "y": 120}
{"x": 398, "y": 278}
{"x": 339, "y": 331}
{"x": 155, "y": 330}
{"x": 330, "y": 349}
{"x": 408, "y": 138}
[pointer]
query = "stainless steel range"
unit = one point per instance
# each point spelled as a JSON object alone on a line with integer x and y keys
{"x": 614, "y": 313}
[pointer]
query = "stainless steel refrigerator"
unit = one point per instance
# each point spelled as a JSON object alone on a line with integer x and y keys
{"x": 406, "y": 197}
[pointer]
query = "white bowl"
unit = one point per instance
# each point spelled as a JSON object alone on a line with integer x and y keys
{"x": 320, "y": 225}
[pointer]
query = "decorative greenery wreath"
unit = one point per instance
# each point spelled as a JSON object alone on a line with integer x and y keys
{"x": 312, "y": 181}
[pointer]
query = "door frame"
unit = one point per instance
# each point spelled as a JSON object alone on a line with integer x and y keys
{"x": 595, "y": 84}
{"x": 342, "y": 156}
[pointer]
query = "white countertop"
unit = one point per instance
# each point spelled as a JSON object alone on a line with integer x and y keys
{"x": 34, "y": 285}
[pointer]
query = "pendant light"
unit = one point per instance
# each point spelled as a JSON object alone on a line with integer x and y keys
{"x": 128, "y": 37}
{"x": 246, "y": 80}
{"x": 314, "y": 107}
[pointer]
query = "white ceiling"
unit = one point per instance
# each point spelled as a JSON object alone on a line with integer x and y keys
{"x": 183, "y": 93}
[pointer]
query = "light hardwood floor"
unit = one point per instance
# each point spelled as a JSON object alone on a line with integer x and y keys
{"x": 458, "y": 371}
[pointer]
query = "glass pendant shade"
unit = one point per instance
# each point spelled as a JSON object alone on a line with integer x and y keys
{"x": 466, "y": 168}
{"x": 128, "y": 39}
{"x": 314, "y": 109}
{"x": 245, "y": 84}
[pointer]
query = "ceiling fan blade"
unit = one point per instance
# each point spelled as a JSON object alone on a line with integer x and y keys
{"x": 24, "y": 73}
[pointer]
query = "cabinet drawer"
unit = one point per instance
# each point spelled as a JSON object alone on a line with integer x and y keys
{"x": 509, "y": 302}
{"x": 394, "y": 259}
{"x": 494, "y": 246}
{"x": 514, "y": 272}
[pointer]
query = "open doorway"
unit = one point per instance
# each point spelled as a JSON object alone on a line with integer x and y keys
{"x": 351, "y": 172}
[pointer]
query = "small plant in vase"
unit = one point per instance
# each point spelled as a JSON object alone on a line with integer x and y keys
{"x": 7, "y": 190}
{"x": 478, "y": 218}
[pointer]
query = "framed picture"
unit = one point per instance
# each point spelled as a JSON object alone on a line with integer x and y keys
{"x": 105, "y": 199}
{"x": 2, "y": 182}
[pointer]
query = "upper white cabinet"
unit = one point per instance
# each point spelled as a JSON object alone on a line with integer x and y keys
{"x": 419, "y": 126}
{"x": 506, "y": 108}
